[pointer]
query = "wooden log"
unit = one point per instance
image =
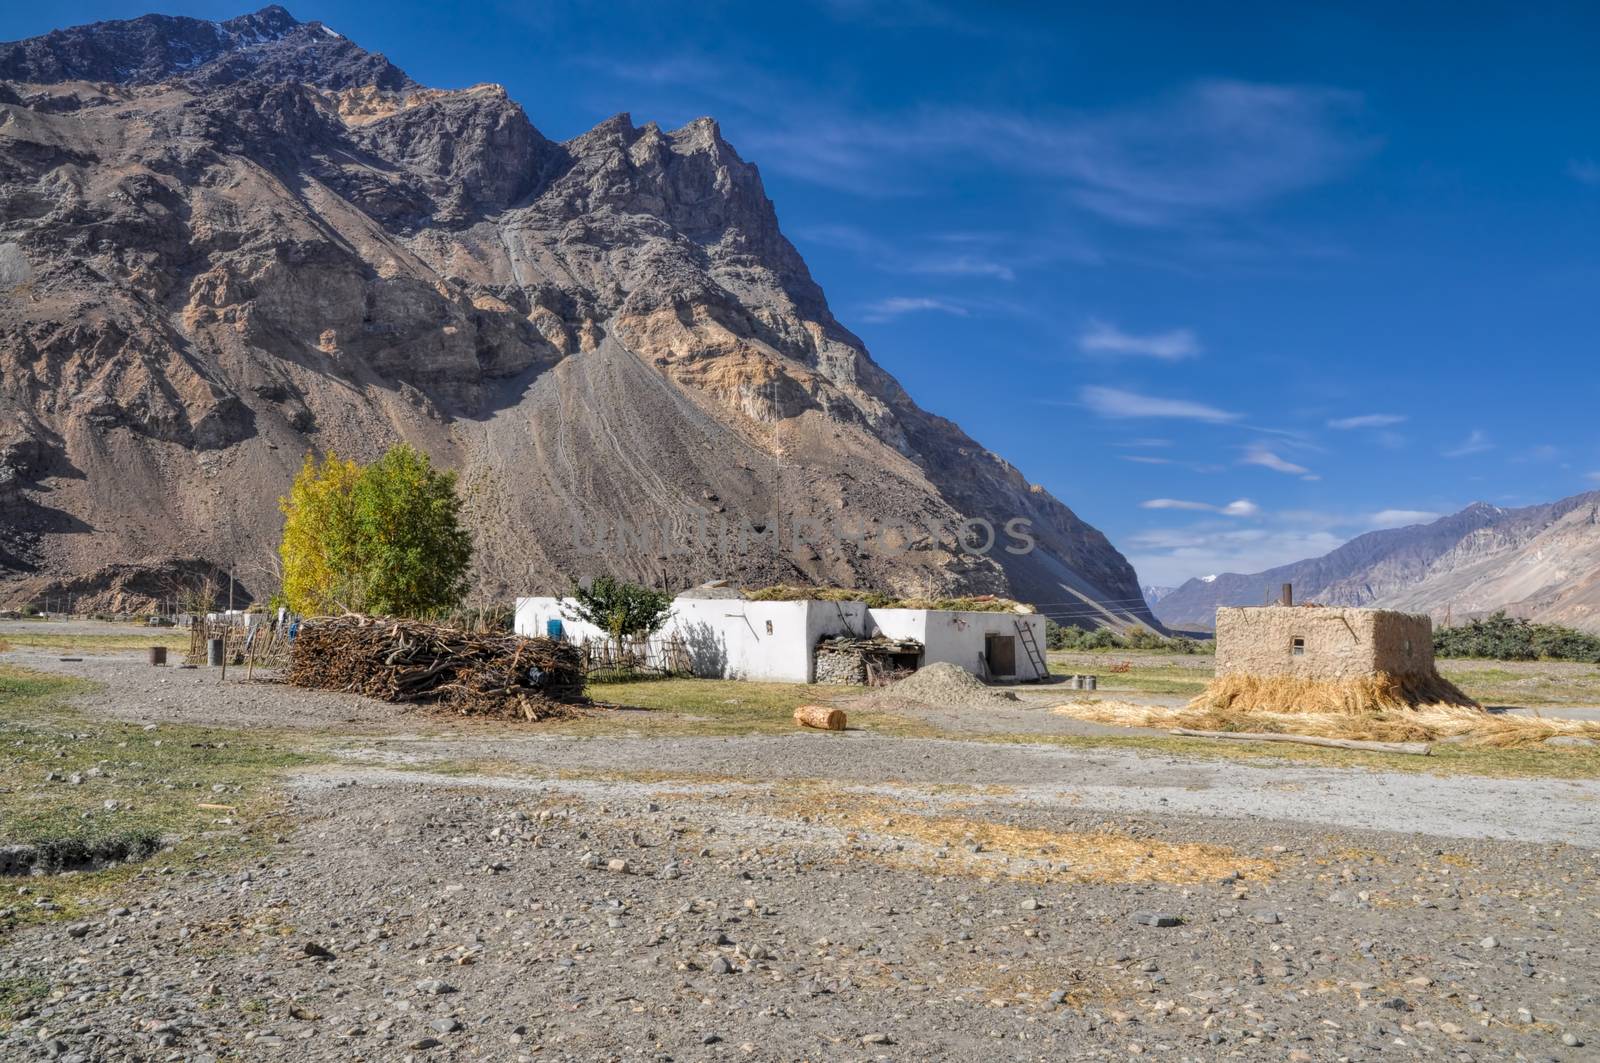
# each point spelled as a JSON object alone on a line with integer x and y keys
{"x": 1416, "y": 749}
{"x": 820, "y": 716}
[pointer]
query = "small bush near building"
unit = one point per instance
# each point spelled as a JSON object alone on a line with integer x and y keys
{"x": 1507, "y": 638}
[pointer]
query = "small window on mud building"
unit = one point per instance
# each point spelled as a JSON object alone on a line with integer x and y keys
{"x": 1297, "y": 646}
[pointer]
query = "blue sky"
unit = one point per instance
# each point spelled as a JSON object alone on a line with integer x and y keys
{"x": 1235, "y": 282}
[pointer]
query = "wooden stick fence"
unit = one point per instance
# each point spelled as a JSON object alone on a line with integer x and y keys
{"x": 605, "y": 659}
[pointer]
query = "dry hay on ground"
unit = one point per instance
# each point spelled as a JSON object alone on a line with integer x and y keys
{"x": 987, "y": 848}
{"x": 941, "y": 686}
{"x": 408, "y": 661}
{"x": 1470, "y": 725}
{"x": 1356, "y": 696}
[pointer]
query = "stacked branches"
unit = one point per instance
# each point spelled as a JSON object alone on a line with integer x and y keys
{"x": 412, "y": 662}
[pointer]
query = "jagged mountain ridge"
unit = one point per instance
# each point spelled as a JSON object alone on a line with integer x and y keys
{"x": 225, "y": 243}
{"x": 1541, "y": 562}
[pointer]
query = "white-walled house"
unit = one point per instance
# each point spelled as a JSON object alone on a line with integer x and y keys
{"x": 734, "y": 638}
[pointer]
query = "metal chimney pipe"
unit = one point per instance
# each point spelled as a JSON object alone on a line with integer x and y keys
{"x": 1288, "y": 594}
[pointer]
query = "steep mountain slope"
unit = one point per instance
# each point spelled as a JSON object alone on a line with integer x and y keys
{"x": 225, "y": 243}
{"x": 1541, "y": 562}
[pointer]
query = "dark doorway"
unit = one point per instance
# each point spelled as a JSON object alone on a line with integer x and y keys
{"x": 1001, "y": 652}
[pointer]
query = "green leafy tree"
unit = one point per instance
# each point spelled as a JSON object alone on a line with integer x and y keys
{"x": 414, "y": 552}
{"x": 624, "y": 610}
{"x": 384, "y": 539}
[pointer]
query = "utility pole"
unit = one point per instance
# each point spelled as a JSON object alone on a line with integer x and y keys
{"x": 230, "y": 590}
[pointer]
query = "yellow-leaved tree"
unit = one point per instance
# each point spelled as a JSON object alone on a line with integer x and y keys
{"x": 320, "y": 548}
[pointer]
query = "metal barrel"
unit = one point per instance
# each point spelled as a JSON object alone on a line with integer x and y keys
{"x": 158, "y": 655}
{"x": 1077, "y": 682}
{"x": 214, "y": 652}
{"x": 1091, "y": 682}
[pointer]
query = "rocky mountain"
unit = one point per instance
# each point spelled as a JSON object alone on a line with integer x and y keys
{"x": 225, "y": 244}
{"x": 1540, "y": 562}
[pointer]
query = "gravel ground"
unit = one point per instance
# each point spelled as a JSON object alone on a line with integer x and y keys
{"x": 829, "y": 896}
{"x": 129, "y": 689}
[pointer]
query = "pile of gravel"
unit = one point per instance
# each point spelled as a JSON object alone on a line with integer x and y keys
{"x": 948, "y": 686}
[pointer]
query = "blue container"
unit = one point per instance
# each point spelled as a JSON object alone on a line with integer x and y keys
{"x": 553, "y": 629}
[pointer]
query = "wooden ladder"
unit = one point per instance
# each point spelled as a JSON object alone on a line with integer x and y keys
{"x": 1041, "y": 667}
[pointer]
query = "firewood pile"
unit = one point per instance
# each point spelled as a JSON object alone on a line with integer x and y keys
{"x": 412, "y": 662}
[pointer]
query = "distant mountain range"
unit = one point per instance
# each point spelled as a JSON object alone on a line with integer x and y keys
{"x": 1540, "y": 562}
{"x": 1153, "y": 594}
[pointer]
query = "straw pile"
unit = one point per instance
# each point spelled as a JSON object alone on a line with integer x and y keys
{"x": 1360, "y": 696}
{"x": 1469, "y": 725}
{"x": 411, "y": 662}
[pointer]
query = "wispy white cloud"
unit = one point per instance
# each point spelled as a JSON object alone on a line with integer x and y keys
{"x": 1269, "y": 459}
{"x": 1584, "y": 171}
{"x": 1477, "y": 442}
{"x": 995, "y": 256}
{"x": 1177, "y": 503}
{"x": 1401, "y": 518}
{"x": 1169, "y": 556}
{"x": 1367, "y": 420}
{"x": 1239, "y": 507}
{"x": 1116, "y": 403}
{"x": 1146, "y": 459}
{"x": 900, "y": 305}
{"x": 1543, "y": 453}
{"x": 1102, "y": 337}
{"x": 1211, "y": 147}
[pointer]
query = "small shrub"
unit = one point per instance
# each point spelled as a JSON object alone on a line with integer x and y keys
{"x": 1505, "y": 638}
{"x": 1064, "y": 637}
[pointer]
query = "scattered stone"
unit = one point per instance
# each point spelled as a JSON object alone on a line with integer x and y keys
{"x": 1156, "y": 919}
{"x": 434, "y": 987}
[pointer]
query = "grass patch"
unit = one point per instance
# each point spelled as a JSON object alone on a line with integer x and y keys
{"x": 17, "y": 994}
{"x": 88, "y": 789}
{"x": 1145, "y": 676}
{"x": 1545, "y": 684}
{"x": 1532, "y": 684}
{"x": 722, "y": 707}
{"x": 173, "y": 640}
